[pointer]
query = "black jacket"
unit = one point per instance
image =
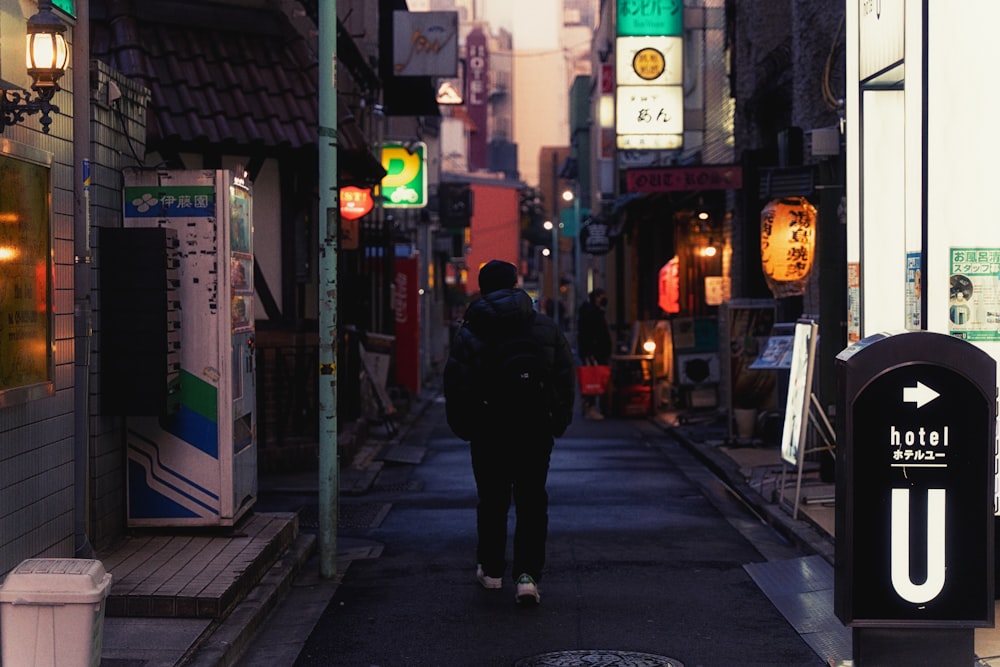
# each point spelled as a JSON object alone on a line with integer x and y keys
{"x": 468, "y": 414}
{"x": 593, "y": 336}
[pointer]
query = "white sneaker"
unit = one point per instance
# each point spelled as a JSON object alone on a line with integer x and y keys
{"x": 490, "y": 583}
{"x": 593, "y": 413}
{"x": 527, "y": 591}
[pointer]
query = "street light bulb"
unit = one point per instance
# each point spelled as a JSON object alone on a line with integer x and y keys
{"x": 567, "y": 195}
{"x": 547, "y": 225}
{"x": 546, "y": 252}
{"x": 649, "y": 346}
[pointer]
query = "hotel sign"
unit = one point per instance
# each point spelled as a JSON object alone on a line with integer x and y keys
{"x": 916, "y": 438}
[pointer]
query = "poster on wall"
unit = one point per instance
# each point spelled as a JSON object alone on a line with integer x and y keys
{"x": 853, "y": 302}
{"x": 26, "y": 344}
{"x": 974, "y": 294}
{"x": 913, "y": 291}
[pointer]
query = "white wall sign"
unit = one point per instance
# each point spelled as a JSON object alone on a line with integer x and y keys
{"x": 880, "y": 28}
{"x": 650, "y": 117}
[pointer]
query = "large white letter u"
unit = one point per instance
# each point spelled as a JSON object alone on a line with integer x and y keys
{"x": 900, "y": 553}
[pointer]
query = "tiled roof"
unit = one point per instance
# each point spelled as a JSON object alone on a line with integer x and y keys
{"x": 218, "y": 74}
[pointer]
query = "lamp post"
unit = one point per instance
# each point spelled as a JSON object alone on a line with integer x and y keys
{"x": 571, "y": 195}
{"x": 554, "y": 228}
{"x": 46, "y": 59}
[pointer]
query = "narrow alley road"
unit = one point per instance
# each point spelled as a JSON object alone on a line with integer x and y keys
{"x": 646, "y": 557}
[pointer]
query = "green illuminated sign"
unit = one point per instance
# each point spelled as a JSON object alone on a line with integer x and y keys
{"x": 66, "y": 6}
{"x": 640, "y": 18}
{"x": 405, "y": 181}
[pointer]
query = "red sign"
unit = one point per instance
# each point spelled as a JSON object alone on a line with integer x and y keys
{"x": 407, "y": 312}
{"x": 607, "y": 80}
{"x": 668, "y": 179}
{"x": 355, "y": 202}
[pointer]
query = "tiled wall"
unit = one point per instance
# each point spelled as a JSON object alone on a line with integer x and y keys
{"x": 36, "y": 436}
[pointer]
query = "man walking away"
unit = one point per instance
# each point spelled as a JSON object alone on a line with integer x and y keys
{"x": 593, "y": 342}
{"x": 509, "y": 385}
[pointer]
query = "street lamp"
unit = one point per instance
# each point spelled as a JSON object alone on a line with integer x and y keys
{"x": 46, "y": 59}
{"x": 554, "y": 228}
{"x": 570, "y": 196}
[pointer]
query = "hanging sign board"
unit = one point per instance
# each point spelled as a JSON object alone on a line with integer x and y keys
{"x": 425, "y": 43}
{"x": 635, "y": 17}
{"x": 355, "y": 202}
{"x": 405, "y": 181}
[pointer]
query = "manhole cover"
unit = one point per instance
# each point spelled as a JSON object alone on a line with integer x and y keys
{"x": 598, "y": 659}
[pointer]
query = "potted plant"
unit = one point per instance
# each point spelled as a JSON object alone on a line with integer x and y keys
{"x": 753, "y": 391}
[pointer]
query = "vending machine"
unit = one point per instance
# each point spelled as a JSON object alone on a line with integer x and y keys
{"x": 192, "y": 461}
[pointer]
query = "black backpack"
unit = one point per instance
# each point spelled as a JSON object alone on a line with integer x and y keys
{"x": 515, "y": 377}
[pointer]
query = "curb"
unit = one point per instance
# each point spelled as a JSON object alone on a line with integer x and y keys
{"x": 222, "y": 644}
{"x": 801, "y": 532}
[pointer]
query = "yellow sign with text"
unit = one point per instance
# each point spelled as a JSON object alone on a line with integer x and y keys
{"x": 405, "y": 181}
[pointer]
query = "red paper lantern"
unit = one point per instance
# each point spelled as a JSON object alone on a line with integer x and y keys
{"x": 787, "y": 244}
{"x": 355, "y": 202}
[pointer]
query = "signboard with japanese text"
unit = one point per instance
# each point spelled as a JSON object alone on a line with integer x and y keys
{"x": 915, "y": 486}
{"x": 174, "y": 201}
{"x": 650, "y": 17}
{"x": 974, "y": 294}
{"x": 649, "y": 61}
{"x": 650, "y": 117}
{"x": 405, "y": 181}
{"x": 673, "y": 179}
{"x": 649, "y": 56}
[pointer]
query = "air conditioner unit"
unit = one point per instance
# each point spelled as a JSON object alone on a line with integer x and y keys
{"x": 697, "y": 368}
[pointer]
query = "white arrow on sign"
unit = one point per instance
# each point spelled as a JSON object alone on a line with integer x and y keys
{"x": 921, "y": 394}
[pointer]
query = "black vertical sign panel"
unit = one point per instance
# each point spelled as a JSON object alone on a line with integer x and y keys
{"x": 915, "y": 482}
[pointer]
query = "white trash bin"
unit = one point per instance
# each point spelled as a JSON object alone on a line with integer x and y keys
{"x": 52, "y": 613}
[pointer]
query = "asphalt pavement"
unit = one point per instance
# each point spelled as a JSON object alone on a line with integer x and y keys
{"x": 651, "y": 560}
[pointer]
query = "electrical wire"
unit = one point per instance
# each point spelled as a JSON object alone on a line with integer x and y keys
{"x": 832, "y": 101}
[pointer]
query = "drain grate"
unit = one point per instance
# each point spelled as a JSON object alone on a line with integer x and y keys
{"x": 352, "y": 515}
{"x": 598, "y": 659}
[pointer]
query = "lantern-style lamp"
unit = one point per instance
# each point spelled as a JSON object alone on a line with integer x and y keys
{"x": 46, "y": 59}
{"x": 787, "y": 244}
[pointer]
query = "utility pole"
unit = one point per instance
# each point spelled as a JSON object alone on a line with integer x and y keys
{"x": 329, "y": 202}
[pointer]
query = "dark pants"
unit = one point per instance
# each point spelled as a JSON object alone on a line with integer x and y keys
{"x": 505, "y": 468}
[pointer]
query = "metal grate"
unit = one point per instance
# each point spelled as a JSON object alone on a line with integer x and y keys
{"x": 603, "y": 658}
